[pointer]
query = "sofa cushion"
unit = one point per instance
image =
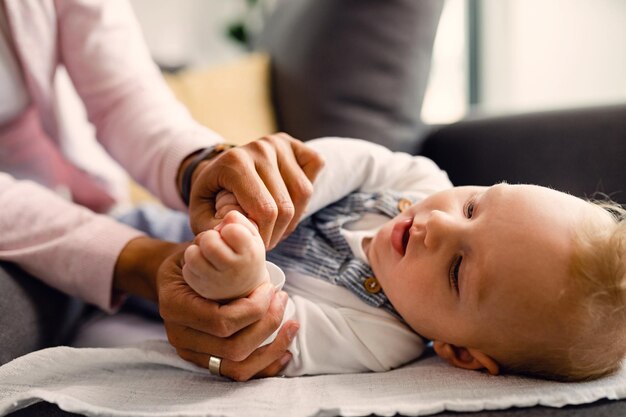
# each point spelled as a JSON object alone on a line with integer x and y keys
{"x": 354, "y": 68}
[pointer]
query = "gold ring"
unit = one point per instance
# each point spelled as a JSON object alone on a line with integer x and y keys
{"x": 214, "y": 365}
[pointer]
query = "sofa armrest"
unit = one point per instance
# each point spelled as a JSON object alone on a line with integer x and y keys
{"x": 581, "y": 151}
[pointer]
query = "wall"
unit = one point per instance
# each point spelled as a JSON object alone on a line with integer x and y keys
{"x": 540, "y": 54}
{"x": 189, "y": 32}
{"x": 446, "y": 98}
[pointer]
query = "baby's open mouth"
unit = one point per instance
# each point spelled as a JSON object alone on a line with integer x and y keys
{"x": 405, "y": 239}
{"x": 400, "y": 235}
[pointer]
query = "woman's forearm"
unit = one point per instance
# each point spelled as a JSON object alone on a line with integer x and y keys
{"x": 64, "y": 245}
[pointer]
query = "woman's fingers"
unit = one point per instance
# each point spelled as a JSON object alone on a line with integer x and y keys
{"x": 265, "y": 361}
{"x": 299, "y": 169}
{"x": 180, "y": 304}
{"x": 309, "y": 161}
{"x": 224, "y": 342}
{"x": 275, "y": 367}
{"x": 270, "y": 179}
{"x": 289, "y": 179}
{"x": 274, "y": 214}
{"x": 234, "y": 171}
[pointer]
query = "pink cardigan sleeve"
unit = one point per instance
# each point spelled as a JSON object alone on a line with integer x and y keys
{"x": 64, "y": 245}
{"x": 137, "y": 118}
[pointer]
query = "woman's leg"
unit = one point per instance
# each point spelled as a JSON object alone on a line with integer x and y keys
{"x": 32, "y": 315}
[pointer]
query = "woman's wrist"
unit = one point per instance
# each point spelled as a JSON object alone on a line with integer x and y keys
{"x": 138, "y": 264}
{"x": 191, "y": 164}
{"x": 182, "y": 168}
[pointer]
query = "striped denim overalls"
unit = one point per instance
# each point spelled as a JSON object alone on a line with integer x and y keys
{"x": 318, "y": 249}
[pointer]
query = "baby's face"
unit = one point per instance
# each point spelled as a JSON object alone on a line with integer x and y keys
{"x": 471, "y": 266}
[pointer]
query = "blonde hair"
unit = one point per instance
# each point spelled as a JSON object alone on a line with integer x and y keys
{"x": 594, "y": 340}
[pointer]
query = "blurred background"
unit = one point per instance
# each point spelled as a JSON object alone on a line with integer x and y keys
{"x": 490, "y": 55}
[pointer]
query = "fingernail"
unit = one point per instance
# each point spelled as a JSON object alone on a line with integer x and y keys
{"x": 292, "y": 330}
{"x": 286, "y": 358}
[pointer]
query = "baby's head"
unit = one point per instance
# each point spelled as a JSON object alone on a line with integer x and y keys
{"x": 514, "y": 278}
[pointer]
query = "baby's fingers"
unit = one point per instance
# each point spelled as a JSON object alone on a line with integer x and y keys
{"x": 226, "y": 201}
{"x": 196, "y": 269}
{"x": 266, "y": 361}
{"x": 213, "y": 249}
{"x": 242, "y": 242}
{"x": 235, "y": 217}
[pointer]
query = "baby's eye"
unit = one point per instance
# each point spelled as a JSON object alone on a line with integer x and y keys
{"x": 454, "y": 272}
{"x": 469, "y": 209}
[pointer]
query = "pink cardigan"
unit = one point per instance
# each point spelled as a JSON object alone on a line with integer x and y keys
{"x": 137, "y": 120}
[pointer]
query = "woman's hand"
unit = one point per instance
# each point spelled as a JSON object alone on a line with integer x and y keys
{"x": 271, "y": 179}
{"x": 199, "y": 328}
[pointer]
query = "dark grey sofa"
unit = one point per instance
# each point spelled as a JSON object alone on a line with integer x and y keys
{"x": 581, "y": 151}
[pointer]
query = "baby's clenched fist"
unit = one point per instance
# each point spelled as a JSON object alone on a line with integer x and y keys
{"x": 227, "y": 262}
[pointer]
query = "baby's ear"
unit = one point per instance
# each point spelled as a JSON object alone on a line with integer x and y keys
{"x": 465, "y": 358}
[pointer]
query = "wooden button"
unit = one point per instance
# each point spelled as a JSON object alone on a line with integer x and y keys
{"x": 403, "y": 204}
{"x": 371, "y": 285}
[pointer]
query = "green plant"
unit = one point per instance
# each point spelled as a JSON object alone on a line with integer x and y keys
{"x": 238, "y": 30}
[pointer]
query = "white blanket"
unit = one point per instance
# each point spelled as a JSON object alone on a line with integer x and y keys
{"x": 150, "y": 380}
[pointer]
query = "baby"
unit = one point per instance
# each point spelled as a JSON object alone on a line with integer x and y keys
{"x": 507, "y": 278}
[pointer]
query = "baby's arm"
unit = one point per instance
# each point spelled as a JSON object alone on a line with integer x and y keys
{"x": 226, "y": 262}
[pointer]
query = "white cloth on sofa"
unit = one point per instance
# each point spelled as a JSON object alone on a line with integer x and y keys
{"x": 151, "y": 380}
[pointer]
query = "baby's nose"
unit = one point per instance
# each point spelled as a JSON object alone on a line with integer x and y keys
{"x": 440, "y": 227}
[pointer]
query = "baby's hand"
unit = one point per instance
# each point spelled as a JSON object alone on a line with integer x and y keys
{"x": 225, "y": 202}
{"x": 227, "y": 262}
